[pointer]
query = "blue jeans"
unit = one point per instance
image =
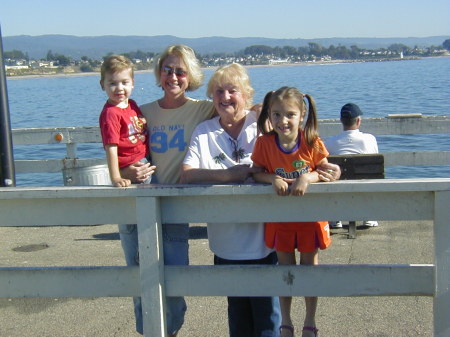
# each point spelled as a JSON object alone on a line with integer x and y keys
{"x": 175, "y": 247}
{"x": 253, "y": 316}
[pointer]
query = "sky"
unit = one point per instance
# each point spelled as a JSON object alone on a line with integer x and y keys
{"x": 230, "y": 18}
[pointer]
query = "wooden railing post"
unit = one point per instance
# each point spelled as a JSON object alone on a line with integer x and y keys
{"x": 441, "y": 303}
{"x": 151, "y": 261}
{"x": 71, "y": 149}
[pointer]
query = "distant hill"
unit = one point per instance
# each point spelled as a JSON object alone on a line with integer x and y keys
{"x": 98, "y": 46}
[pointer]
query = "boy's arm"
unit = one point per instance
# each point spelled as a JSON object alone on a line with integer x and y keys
{"x": 113, "y": 166}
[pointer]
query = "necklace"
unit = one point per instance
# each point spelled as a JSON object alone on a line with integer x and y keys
{"x": 238, "y": 152}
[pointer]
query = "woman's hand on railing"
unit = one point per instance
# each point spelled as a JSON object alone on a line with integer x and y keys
{"x": 138, "y": 172}
{"x": 329, "y": 172}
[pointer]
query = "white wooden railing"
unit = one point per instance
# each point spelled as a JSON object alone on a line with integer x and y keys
{"x": 424, "y": 199}
{"x": 393, "y": 125}
{"x": 148, "y": 206}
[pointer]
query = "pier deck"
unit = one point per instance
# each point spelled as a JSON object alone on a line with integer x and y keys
{"x": 392, "y": 242}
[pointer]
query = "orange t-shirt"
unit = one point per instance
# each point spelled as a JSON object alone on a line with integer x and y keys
{"x": 288, "y": 164}
{"x": 286, "y": 236}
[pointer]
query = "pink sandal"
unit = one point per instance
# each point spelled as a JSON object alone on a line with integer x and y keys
{"x": 287, "y": 327}
{"x": 312, "y": 329}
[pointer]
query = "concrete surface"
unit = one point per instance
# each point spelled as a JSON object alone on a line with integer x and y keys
{"x": 391, "y": 243}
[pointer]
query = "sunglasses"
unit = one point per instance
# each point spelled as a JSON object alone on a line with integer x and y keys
{"x": 177, "y": 71}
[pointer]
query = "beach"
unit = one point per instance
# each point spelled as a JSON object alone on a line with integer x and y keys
{"x": 97, "y": 73}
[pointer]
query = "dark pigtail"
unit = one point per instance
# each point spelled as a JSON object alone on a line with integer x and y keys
{"x": 311, "y": 128}
{"x": 263, "y": 119}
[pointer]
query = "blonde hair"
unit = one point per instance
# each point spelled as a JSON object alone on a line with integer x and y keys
{"x": 187, "y": 54}
{"x": 236, "y": 75}
{"x": 114, "y": 64}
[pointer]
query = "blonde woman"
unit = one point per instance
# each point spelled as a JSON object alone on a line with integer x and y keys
{"x": 170, "y": 120}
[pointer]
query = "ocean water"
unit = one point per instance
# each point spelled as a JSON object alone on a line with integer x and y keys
{"x": 379, "y": 88}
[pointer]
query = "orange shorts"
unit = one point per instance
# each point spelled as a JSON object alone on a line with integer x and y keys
{"x": 305, "y": 236}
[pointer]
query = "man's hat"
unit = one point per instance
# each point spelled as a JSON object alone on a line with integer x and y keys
{"x": 350, "y": 110}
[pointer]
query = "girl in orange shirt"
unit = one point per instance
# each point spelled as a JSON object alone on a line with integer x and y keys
{"x": 290, "y": 156}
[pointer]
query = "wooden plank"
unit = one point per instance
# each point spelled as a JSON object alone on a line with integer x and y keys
{"x": 85, "y": 134}
{"x": 310, "y": 207}
{"x": 69, "y": 282}
{"x": 441, "y": 301}
{"x": 425, "y": 158}
{"x": 357, "y": 159}
{"x": 328, "y": 127}
{"x": 415, "y": 185}
{"x": 359, "y": 166}
{"x": 210, "y": 208}
{"x": 54, "y": 165}
{"x": 321, "y": 280}
{"x": 151, "y": 260}
{"x": 390, "y": 159}
{"x": 71, "y": 211}
{"x": 391, "y": 126}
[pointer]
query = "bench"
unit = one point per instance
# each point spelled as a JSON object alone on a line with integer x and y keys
{"x": 358, "y": 166}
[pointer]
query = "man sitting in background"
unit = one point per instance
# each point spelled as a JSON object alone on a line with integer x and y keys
{"x": 352, "y": 141}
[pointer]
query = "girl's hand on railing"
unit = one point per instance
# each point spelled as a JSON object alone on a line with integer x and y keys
{"x": 280, "y": 185}
{"x": 300, "y": 185}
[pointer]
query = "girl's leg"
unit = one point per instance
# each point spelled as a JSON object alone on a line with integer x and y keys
{"x": 285, "y": 258}
{"x": 310, "y": 258}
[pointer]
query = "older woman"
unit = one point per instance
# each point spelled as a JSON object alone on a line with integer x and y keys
{"x": 219, "y": 152}
{"x": 171, "y": 120}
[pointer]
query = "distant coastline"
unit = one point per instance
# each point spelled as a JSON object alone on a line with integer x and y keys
{"x": 96, "y": 73}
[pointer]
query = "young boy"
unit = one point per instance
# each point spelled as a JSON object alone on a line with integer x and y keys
{"x": 122, "y": 125}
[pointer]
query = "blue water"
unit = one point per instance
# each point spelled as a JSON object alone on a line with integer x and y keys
{"x": 379, "y": 88}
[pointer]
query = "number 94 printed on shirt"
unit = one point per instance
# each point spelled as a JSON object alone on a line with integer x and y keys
{"x": 162, "y": 141}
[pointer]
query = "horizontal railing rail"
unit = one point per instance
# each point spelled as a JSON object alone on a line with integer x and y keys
{"x": 151, "y": 205}
{"x": 71, "y": 137}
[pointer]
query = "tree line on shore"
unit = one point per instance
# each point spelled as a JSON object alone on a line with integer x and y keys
{"x": 18, "y": 62}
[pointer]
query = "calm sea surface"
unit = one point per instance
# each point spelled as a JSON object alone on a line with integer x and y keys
{"x": 379, "y": 88}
